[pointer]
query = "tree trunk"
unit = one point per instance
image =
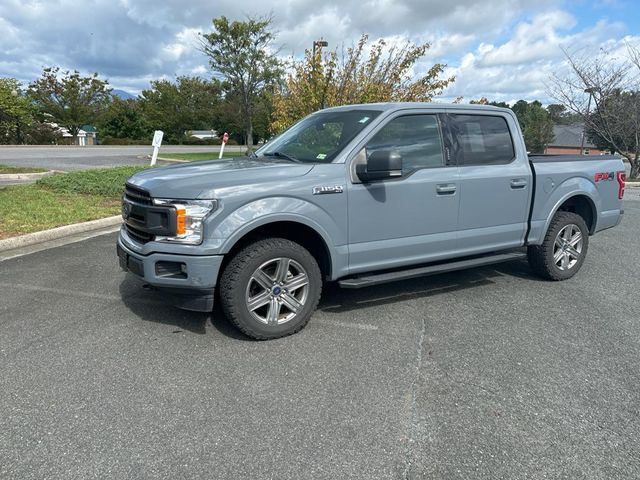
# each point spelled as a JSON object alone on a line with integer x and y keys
{"x": 635, "y": 167}
{"x": 249, "y": 135}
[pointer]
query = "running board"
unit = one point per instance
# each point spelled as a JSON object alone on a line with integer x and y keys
{"x": 379, "y": 278}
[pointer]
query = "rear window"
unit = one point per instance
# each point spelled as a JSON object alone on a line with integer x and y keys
{"x": 482, "y": 140}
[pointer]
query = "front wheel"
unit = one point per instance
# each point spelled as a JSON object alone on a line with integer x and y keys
{"x": 564, "y": 248}
{"x": 271, "y": 288}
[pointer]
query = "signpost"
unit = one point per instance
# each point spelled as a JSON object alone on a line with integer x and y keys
{"x": 225, "y": 139}
{"x": 156, "y": 143}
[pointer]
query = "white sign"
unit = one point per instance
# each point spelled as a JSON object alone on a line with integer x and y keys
{"x": 156, "y": 143}
{"x": 157, "y": 138}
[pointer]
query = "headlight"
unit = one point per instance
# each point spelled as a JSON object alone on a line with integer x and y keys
{"x": 189, "y": 217}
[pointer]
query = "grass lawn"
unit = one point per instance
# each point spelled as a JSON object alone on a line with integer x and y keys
{"x": 10, "y": 169}
{"x": 62, "y": 200}
{"x": 201, "y": 155}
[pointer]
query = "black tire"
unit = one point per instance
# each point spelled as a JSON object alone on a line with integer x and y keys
{"x": 541, "y": 257}
{"x": 238, "y": 279}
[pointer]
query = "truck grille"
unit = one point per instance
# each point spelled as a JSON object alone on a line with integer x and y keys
{"x": 137, "y": 195}
{"x": 140, "y": 197}
{"x": 138, "y": 235}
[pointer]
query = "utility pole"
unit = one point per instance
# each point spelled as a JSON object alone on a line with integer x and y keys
{"x": 317, "y": 44}
{"x": 590, "y": 91}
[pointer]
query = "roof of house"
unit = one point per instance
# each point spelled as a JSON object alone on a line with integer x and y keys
{"x": 89, "y": 128}
{"x": 570, "y": 136}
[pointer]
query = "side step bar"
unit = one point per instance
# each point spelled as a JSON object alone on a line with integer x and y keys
{"x": 379, "y": 278}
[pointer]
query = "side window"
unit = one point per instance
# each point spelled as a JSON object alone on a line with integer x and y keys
{"x": 482, "y": 140}
{"x": 416, "y": 137}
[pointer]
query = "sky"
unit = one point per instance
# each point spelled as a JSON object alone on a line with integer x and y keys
{"x": 504, "y": 50}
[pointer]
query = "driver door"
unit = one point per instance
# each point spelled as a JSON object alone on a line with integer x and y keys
{"x": 412, "y": 218}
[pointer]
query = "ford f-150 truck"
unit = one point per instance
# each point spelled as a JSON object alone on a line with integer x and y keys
{"x": 362, "y": 195}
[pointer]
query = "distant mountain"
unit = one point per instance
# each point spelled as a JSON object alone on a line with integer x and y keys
{"x": 122, "y": 94}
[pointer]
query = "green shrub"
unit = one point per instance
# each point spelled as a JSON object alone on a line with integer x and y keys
{"x": 108, "y": 182}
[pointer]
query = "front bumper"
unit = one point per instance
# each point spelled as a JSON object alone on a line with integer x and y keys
{"x": 187, "y": 280}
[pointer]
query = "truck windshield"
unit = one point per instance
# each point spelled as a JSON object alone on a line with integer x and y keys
{"x": 320, "y": 137}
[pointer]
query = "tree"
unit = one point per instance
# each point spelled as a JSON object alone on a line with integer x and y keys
{"x": 602, "y": 90}
{"x": 124, "y": 119}
{"x": 520, "y": 108}
{"x": 69, "y": 98}
{"x": 15, "y": 111}
{"x": 619, "y": 112}
{"x": 384, "y": 75}
{"x": 229, "y": 117}
{"x": 240, "y": 53}
{"x": 499, "y": 104}
{"x": 537, "y": 127}
{"x": 188, "y": 104}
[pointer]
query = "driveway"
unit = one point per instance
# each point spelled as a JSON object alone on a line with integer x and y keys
{"x": 68, "y": 158}
{"x": 487, "y": 373}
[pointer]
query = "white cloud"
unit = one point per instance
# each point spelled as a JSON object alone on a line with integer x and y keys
{"x": 502, "y": 49}
{"x": 520, "y": 67}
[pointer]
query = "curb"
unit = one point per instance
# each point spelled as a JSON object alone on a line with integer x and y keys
{"x": 176, "y": 160}
{"x": 632, "y": 184}
{"x": 26, "y": 176}
{"x": 58, "y": 232}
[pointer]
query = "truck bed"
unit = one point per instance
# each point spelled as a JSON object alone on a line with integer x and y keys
{"x": 559, "y": 177}
{"x": 551, "y": 158}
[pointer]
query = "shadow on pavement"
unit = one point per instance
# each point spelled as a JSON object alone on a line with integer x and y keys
{"x": 149, "y": 305}
{"x": 338, "y": 300}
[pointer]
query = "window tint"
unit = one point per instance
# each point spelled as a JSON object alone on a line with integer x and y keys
{"x": 481, "y": 140}
{"x": 416, "y": 137}
{"x": 320, "y": 137}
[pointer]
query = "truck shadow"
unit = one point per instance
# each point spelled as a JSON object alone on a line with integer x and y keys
{"x": 339, "y": 300}
{"x": 150, "y": 306}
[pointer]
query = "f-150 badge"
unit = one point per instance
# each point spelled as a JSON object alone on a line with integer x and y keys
{"x": 326, "y": 189}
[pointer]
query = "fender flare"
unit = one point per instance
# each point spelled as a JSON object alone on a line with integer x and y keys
{"x": 587, "y": 189}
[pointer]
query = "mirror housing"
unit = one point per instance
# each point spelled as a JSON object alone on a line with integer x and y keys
{"x": 380, "y": 165}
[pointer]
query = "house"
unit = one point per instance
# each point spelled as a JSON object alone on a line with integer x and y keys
{"x": 90, "y": 135}
{"x": 568, "y": 140}
{"x": 87, "y": 135}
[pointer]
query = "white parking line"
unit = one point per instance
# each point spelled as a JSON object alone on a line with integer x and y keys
{"x": 59, "y": 242}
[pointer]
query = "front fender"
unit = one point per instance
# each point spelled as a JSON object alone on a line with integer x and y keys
{"x": 543, "y": 211}
{"x": 261, "y": 212}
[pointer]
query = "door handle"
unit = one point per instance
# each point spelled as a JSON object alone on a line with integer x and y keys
{"x": 445, "y": 189}
{"x": 518, "y": 183}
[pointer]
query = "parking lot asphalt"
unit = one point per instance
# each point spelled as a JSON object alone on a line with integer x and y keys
{"x": 68, "y": 158}
{"x": 487, "y": 373}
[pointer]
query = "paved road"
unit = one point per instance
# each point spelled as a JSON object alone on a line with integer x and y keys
{"x": 67, "y": 158}
{"x": 489, "y": 373}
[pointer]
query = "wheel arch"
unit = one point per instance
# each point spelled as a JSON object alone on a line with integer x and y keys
{"x": 582, "y": 205}
{"x": 576, "y": 195}
{"x": 298, "y": 230}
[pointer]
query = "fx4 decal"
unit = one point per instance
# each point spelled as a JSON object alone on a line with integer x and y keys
{"x": 604, "y": 176}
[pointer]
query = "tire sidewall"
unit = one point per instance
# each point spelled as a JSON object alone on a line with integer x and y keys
{"x": 249, "y": 260}
{"x": 567, "y": 218}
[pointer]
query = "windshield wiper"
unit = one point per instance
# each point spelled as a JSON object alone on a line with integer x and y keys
{"x": 282, "y": 155}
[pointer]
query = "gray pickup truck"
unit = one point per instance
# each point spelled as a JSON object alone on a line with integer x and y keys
{"x": 362, "y": 195}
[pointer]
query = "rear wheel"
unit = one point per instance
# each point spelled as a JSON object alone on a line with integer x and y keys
{"x": 271, "y": 288}
{"x": 564, "y": 248}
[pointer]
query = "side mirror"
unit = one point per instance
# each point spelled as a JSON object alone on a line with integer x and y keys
{"x": 380, "y": 164}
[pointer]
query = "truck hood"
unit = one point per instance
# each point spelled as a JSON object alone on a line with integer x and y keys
{"x": 190, "y": 181}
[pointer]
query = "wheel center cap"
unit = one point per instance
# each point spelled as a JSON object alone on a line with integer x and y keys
{"x": 277, "y": 290}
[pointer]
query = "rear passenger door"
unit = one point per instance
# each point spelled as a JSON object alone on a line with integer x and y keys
{"x": 495, "y": 182}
